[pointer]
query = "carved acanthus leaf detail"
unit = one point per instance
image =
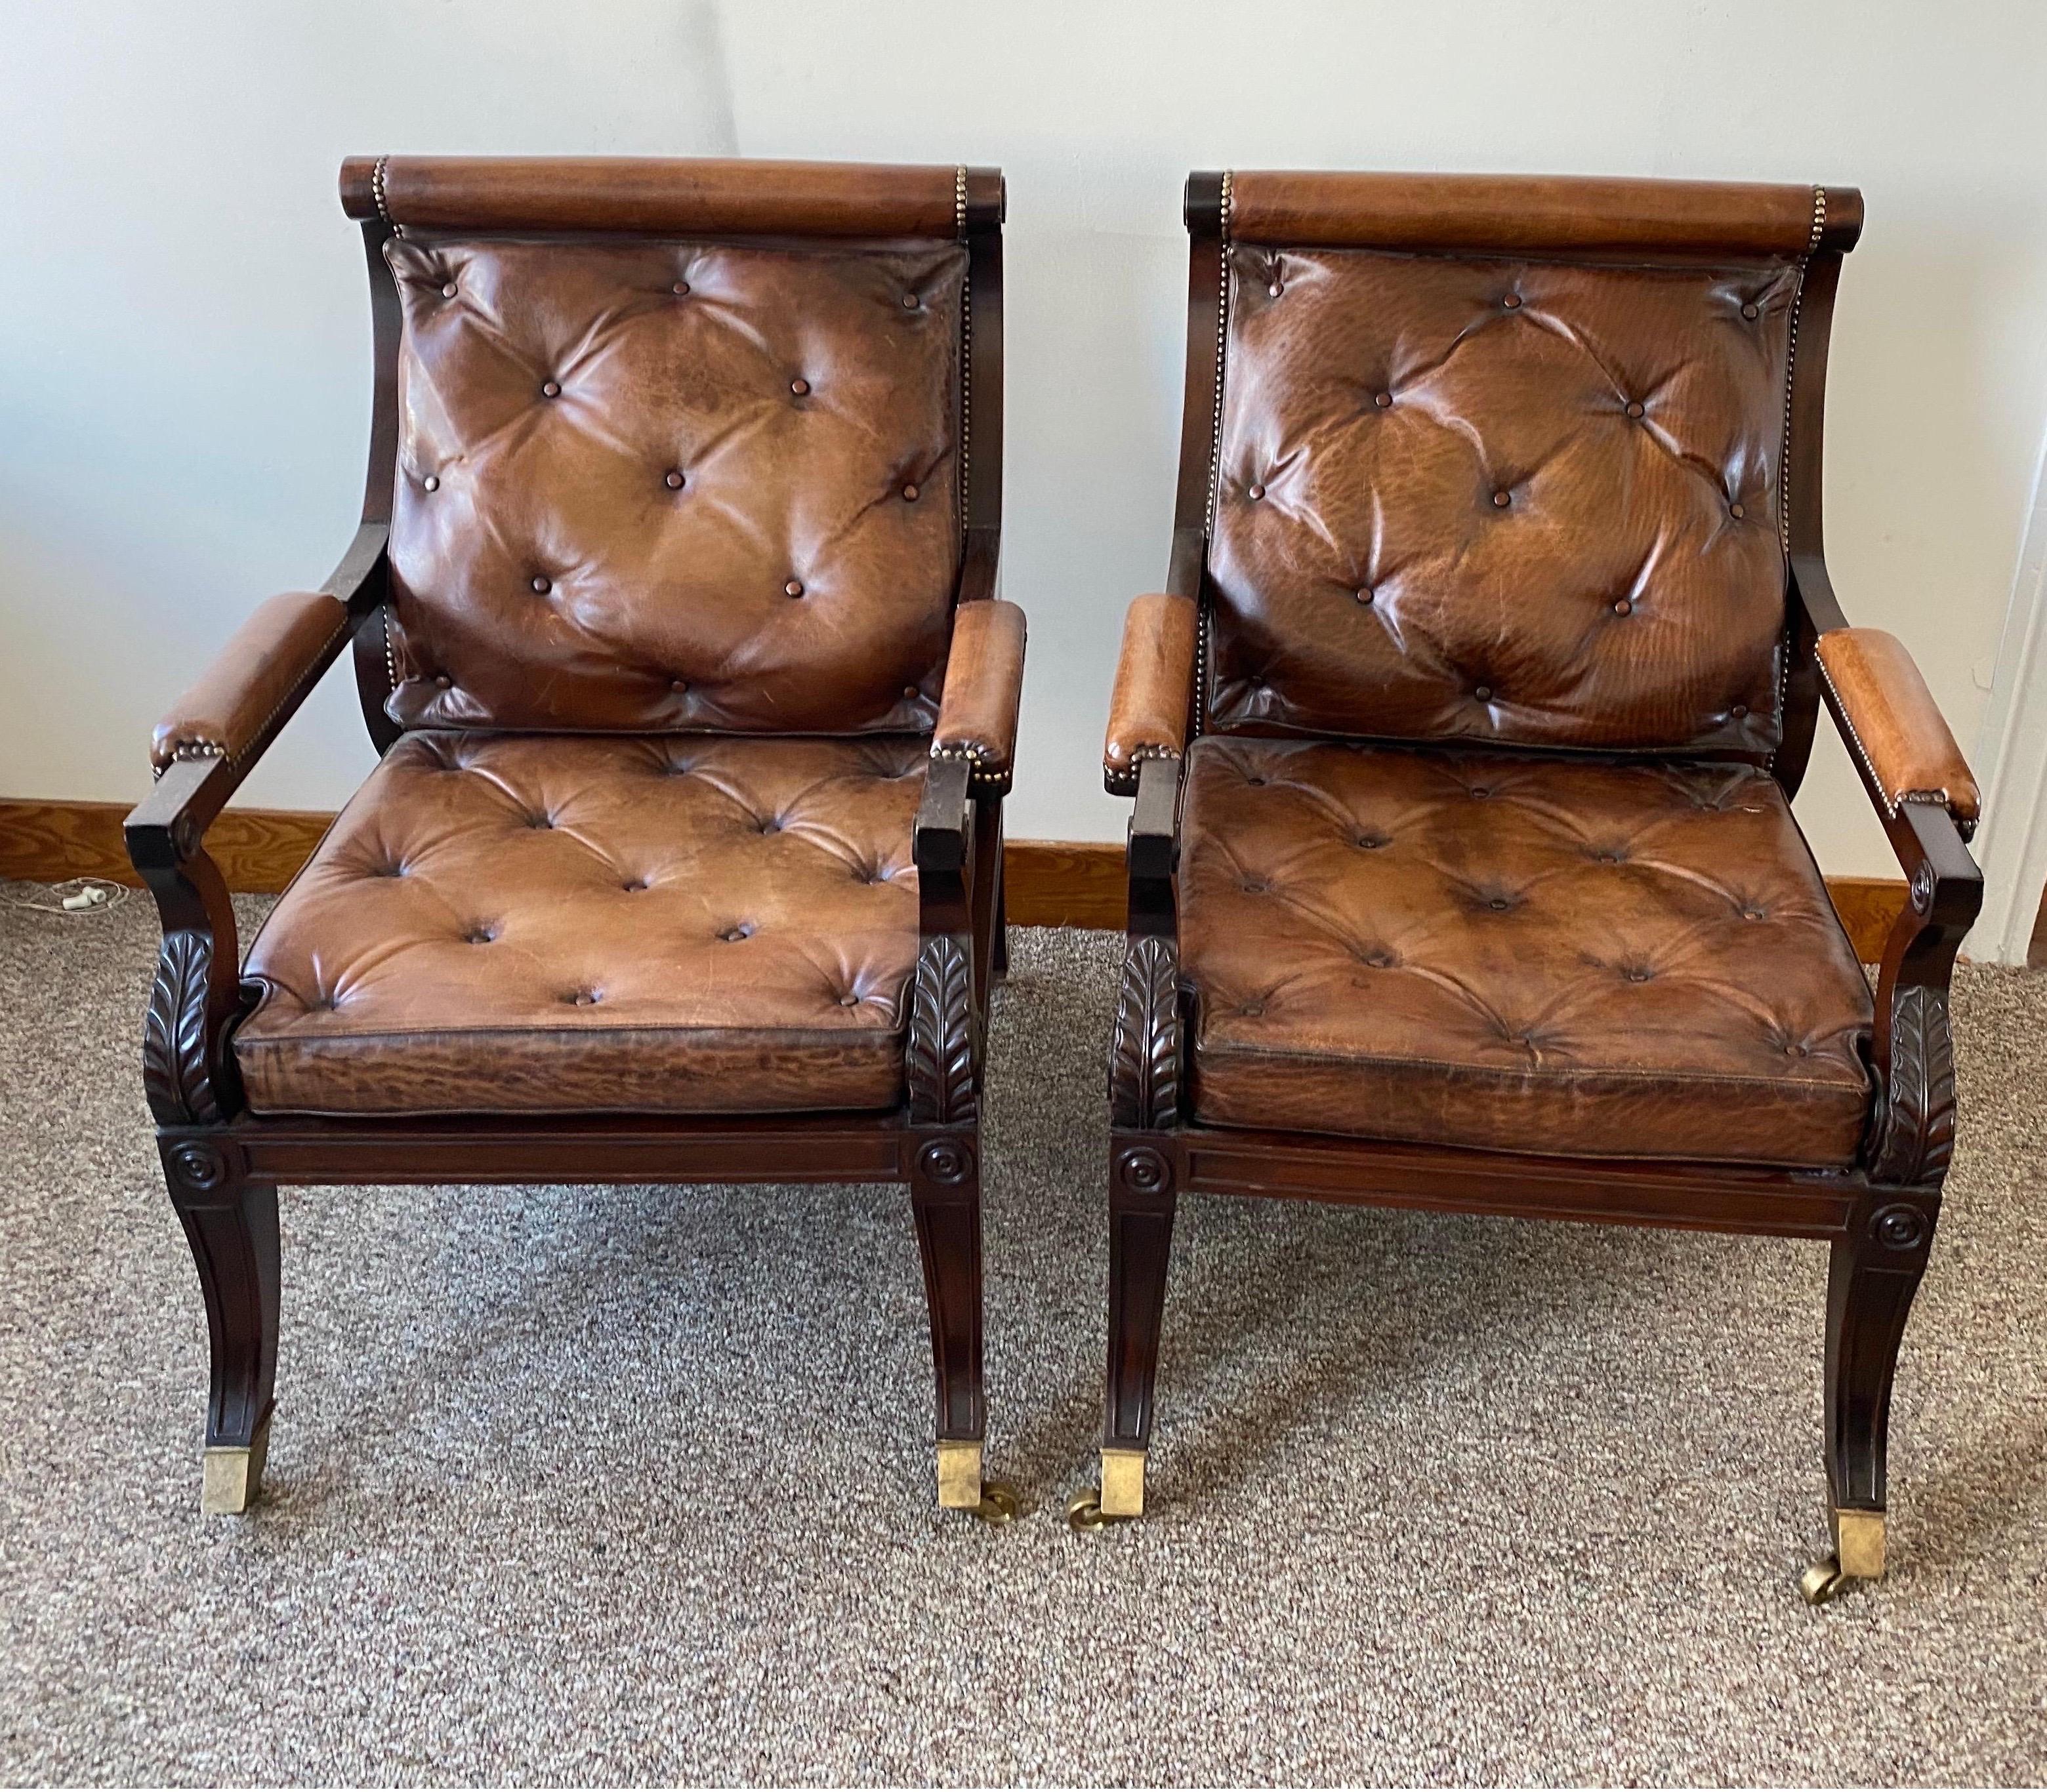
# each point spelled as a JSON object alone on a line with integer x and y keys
{"x": 939, "y": 1062}
{"x": 1144, "y": 1060}
{"x": 175, "y": 1076}
{"x": 1915, "y": 1125}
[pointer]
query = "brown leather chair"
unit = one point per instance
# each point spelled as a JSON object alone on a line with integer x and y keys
{"x": 1463, "y": 873}
{"x": 673, "y": 615}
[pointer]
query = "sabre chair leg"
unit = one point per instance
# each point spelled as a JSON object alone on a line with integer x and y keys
{"x": 1873, "y": 1275}
{"x": 231, "y": 1221}
{"x": 945, "y": 1195}
{"x": 1141, "y": 1203}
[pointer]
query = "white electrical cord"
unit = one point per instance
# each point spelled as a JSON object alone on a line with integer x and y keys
{"x": 75, "y": 896}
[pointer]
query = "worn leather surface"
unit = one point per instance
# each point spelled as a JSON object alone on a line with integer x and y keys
{"x": 646, "y": 485}
{"x": 1509, "y": 213}
{"x": 1521, "y": 953}
{"x": 1154, "y": 683}
{"x": 1502, "y": 500}
{"x": 984, "y": 686}
{"x": 1893, "y": 722}
{"x": 227, "y": 708}
{"x": 500, "y": 923}
{"x": 655, "y": 194}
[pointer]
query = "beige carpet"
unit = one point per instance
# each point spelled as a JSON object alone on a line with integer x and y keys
{"x": 1439, "y": 1500}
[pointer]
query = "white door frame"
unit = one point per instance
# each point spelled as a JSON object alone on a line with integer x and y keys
{"x": 2012, "y": 758}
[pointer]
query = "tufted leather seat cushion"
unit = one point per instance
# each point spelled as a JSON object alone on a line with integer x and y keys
{"x": 504, "y": 923}
{"x": 1534, "y": 503}
{"x": 653, "y": 485}
{"x": 1566, "y": 957}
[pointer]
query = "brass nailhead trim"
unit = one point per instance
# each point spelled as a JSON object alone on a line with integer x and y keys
{"x": 1202, "y": 644}
{"x": 966, "y": 350}
{"x": 376, "y": 192}
{"x": 1784, "y": 449}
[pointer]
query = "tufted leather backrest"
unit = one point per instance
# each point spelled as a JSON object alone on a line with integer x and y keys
{"x": 653, "y": 479}
{"x": 1531, "y": 493}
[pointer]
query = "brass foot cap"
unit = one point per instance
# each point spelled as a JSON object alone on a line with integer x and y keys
{"x": 1858, "y": 1557}
{"x": 1122, "y": 1483}
{"x": 1859, "y": 1543}
{"x": 959, "y": 1473}
{"x": 234, "y": 1475}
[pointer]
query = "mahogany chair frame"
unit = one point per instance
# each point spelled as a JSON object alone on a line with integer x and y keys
{"x": 223, "y": 1163}
{"x": 1879, "y": 1216}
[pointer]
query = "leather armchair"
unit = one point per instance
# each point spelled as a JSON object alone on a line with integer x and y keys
{"x": 1462, "y": 869}
{"x": 673, "y": 617}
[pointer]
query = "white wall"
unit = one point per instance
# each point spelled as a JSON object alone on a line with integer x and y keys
{"x": 184, "y": 403}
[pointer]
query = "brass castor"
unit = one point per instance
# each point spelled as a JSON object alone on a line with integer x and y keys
{"x": 1823, "y": 1580}
{"x": 1858, "y": 1556}
{"x": 1000, "y": 1504}
{"x": 1084, "y": 1513}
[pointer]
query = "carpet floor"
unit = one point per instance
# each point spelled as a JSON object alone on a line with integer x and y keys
{"x": 570, "y": 1485}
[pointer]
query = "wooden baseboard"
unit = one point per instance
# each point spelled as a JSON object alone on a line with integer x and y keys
{"x": 1050, "y": 883}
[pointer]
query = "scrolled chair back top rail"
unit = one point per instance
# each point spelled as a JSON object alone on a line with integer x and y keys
{"x": 672, "y": 197}
{"x": 1537, "y": 215}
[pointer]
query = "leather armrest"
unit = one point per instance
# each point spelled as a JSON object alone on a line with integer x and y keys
{"x": 984, "y": 686}
{"x": 1893, "y": 724}
{"x": 1155, "y": 683}
{"x": 264, "y": 662}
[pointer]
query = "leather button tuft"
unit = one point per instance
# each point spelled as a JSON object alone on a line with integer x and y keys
{"x": 1736, "y": 510}
{"x": 542, "y": 585}
{"x": 681, "y": 289}
{"x": 1623, "y": 607}
{"x": 1252, "y": 1008}
{"x": 800, "y": 387}
{"x": 1274, "y": 290}
{"x": 1255, "y": 493}
{"x": 794, "y": 587}
{"x": 1383, "y": 400}
{"x": 679, "y": 686}
{"x": 1364, "y": 594}
{"x": 1502, "y": 500}
{"x": 1638, "y": 975}
{"x": 1481, "y": 790}
{"x": 443, "y": 682}
{"x": 1634, "y": 409}
{"x": 909, "y": 494}
{"x": 912, "y": 693}
{"x": 1500, "y": 905}
{"x": 432, "y": 482}
{"x": 849, "y": 1001}
{"x": 1738, "y": 711}
{"x": 478, "y": 937}
{"x": 1752, "y": 310}
{"x": 585, "y": 998}
{"x": 1483, "y": 693}
{"x": 673, "y": 480}
{"x": 1371, "y": 843}
{"x": 731, "y": 935}
{"x": 1512, "y": 302}
{"x": 448, "y": 292}
{"x": 550, "y": 389}
{"x": 909, "y": 301}
{"x": 1751, "y": 914}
